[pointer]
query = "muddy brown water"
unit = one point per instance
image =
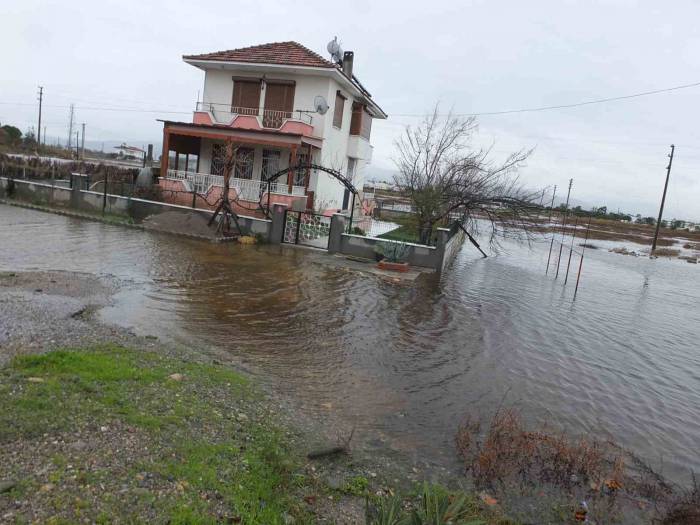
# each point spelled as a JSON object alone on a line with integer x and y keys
{"x": 405, "y": 363}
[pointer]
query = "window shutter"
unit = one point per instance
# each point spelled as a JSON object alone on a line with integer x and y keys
{"x": 279, "y": 103}
{"x": 356, "y": 120}
{"x": 246, "y": 96}
{"x": 338, "y": 110}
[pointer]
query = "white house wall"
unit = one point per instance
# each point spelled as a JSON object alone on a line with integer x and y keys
{"x": 218, "y": 89}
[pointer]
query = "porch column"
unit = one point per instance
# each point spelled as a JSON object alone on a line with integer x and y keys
{"x": 165, "y": 156}
{"x": 308, "y": 172}
{"x": 292, "y": 162}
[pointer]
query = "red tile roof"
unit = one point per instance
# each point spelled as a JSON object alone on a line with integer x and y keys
{"x": 285, "y": 53}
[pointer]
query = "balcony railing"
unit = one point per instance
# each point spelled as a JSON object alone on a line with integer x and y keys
{"x": 247, "y": 189}
{"x": 223, "y": 113}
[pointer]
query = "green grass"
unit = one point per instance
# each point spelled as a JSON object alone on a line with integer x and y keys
{"x": 244, "y": 466}
{"x": 407, "y": 231}
{"x": 211, "y": 449}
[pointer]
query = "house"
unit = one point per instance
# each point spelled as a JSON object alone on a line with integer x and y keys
{"x": 282, "y": 105}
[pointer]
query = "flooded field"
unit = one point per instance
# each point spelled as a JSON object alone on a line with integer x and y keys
{"x": 405, "y": 362}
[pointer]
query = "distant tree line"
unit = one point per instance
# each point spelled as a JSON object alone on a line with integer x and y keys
{"x": 603, "y": 213}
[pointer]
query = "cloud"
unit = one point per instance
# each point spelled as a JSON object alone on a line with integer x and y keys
{"x": 473, "y": 56}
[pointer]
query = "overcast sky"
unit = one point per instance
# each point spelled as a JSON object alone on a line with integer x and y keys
{"x": 472, "y": 56}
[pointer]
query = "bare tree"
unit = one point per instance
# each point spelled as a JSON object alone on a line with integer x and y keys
{"x": 447, "y": 179}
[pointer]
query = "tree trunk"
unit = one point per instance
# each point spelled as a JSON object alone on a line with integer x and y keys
{"x": 426, "y": 229}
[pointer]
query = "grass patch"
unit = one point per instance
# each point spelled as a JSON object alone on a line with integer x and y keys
{"x": 408, "y": 231}
{"x": 109, "y": 434}
{"x": 213, "y": 454}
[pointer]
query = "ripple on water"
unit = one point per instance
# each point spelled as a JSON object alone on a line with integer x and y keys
{"x": 404, "y": 364}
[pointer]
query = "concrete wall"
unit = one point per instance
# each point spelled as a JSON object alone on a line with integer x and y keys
{"x": 92, "y": 202}
{"x": 452, "y": 240}
{"x": 436, "y": 257}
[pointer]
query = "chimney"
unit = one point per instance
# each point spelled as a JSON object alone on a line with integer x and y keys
{"x": 348, "y": 58}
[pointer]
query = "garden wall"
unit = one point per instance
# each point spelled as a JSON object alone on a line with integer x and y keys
{"x": 436, "y": 257}
{"x": 94, "y": 202}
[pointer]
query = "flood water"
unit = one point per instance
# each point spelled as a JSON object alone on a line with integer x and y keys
{"x": 405, "y": 362}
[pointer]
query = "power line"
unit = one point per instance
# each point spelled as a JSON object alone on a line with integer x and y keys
{"x": 101, "y": 108}
{"x": 564, "y": 106}
{"x": 475, "y": 114}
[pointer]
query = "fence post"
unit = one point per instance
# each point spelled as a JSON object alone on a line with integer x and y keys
{"x": 104, "y": 194}
{"x": 296, "y": 235}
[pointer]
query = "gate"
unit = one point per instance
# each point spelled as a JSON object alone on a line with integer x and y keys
{"x": 306, "y": 228}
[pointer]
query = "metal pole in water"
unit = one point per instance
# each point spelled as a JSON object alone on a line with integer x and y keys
{"x": 571, "y": 249}
{"x": 580, "y": 264}
{"x": 551, "y": 244}
{"x": 563, "y": 225}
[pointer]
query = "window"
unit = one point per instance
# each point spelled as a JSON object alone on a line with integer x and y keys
{"x": 244, "y": 163}
{"x": 246, "y": 96}
{"x": 338, "y": 110}
{"x": 279, "y": 103}
{"x": 300, "y": 176}
{"x": 361, "y": 121}
{"x": 270, "y": 162}
{"x": 352, "y": 167}
{"x": 218, "y": 158}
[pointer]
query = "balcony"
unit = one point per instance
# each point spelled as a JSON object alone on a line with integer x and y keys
{"x": 360, "y": 148}
{"x": 247, "y": 189}
{"x": 210, "y": 113}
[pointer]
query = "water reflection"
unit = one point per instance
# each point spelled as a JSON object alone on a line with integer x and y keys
{"x": 404, "y": 363}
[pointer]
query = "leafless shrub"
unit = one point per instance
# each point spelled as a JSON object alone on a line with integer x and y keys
{"x": 446, "y": 178}
{"x": 507, "y": 450}
{"x": 504, "y": 455}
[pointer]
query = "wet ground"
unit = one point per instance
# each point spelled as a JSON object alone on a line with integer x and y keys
{"x": 404, "y": 362}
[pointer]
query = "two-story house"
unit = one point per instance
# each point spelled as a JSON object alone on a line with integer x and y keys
{"x": 282, "y": 105}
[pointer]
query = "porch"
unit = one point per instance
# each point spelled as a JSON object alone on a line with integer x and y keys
{"x": 194, "y": 157}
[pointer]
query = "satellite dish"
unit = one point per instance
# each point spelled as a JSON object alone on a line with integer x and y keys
{"x": 334, "y": 49}
{"x": 320, "y": 105}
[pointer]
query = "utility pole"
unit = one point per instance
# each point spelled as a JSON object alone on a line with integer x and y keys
{"x": 663, "y": 200}
{"x": 38, "y": 129}
{"x": 82, "y": 144}
{"x": 77, "y": 145}
{"x": 70, "y": 125}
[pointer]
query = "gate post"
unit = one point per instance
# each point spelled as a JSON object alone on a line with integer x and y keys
{"x": 277, "y": 227}
{"x": 335, "y": 234}
{"x": 296, "y": 235}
